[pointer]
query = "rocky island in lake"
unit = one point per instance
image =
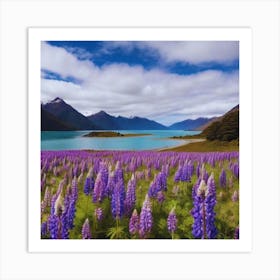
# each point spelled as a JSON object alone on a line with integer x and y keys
{"x": 112, "y": 134}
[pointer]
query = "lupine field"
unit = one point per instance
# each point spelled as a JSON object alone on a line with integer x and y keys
{"x": 139, "y": 195}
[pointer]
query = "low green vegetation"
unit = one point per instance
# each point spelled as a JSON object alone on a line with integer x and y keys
{"x": 207, "y": 146}
{"x": 112, "y": 134}
{"x": 226, "y": 129}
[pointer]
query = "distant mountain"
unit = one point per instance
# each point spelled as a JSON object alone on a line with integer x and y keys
{"x": 49, "y": 122}
{"x": 68, "y": 115}
{"x": 104, "y": 120}
{"x": 226, "y": 128}
{"x": 108, "y": 122}
{"x": 190, "y": 124}
{"x": 139, "y": 123}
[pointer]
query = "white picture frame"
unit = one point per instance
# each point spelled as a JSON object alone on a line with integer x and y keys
{"x": 261, "y": 262}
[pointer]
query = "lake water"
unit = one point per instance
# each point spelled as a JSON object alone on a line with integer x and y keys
{"x": 74, "y": 140}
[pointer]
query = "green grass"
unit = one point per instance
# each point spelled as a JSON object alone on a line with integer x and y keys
{"x": 207, "y": 146}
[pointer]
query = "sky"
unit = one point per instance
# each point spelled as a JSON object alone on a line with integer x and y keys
{"x": 166, "y": 81}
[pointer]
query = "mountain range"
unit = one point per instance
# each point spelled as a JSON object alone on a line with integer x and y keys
{"x": 58, "y": 115}
{"x": 122, "y": 123}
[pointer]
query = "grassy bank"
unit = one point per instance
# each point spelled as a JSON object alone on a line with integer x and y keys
{"x": 207, "y": 146}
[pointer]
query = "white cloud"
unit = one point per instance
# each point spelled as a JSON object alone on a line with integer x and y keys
{"x": 193, "y": 52}
{"x": 120, "y": 89}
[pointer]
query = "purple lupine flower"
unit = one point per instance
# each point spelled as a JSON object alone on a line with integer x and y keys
{"x": 53, "y": 220}
{"x": 76, "y": 170}
{"x": 117, "y": 201}
{"x": 118, "y": 172}
{"x": 162, "y": 180}
{"x": 172, "y": 221}
{"x": 187, "y": 171}
{"x": 204, "y": 201}
{"x": 152, "y": 192}
{"x": 203, "y": 173}
{"x": 178, "y": 174}
{"x": 134, "y": 223}
{"x": 98, "y": 214}
{"x": 223, "y": 179}
{"x": 86, "y": 234}
{"x": 146, "y": 218}
{"x": 236, "y": 233}
{"x": 89, "y": 183}
{"x": 236, "y": 170}
{"x": 234, "y": 197}
{"x": 195, "y": 187}
{"x": 64, "y": 219}
{"x": 104, "y": 174}
{"x": 197, "y": 171}
{"x": 160, "y": 197}
{"x": 198, "y": 229}
{"x": 53, "y": 223}
{"x": 111, "y": 184}
{"x": 210, "y": 202}
{"x": 98, "y": 191}
{"x": 44, "y": 229}
{"x": 130, "y": 195}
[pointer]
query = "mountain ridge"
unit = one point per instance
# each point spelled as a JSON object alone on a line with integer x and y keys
{"x": 57, "y": 114}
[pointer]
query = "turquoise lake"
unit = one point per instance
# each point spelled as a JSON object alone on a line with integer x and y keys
{"x": 74, "y": 140}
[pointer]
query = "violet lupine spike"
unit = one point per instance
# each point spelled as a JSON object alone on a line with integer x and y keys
{"x": 197, "y": 170}
{"x": 86, "y": 234}
{"x": 53, "y": 220}
{"x": 195, "y": 187}
{"x": 130, "y": 198}
{"x": 89, "y": 183}
{"x": 172, "y": 221}
{"x": 111, "y": 184}
{"x": 146, "y": 218}
{"x": 118, "y": 172}
{"x": 204, "y": 201}
{"x": 134, "y": 223}
{"x": 223, "y": 179}
{"x": 236, "y": 233}
{"x": 234, "y": 197}
{"x": 98, "y": 190}
{"x": 178, "y": 174}
{"x": 44, "y": 229}
{"x": 98, "y": 214}
{"x": 64, "y": 219}
{"x": 104, "y": 174}
{"x": 210, "y": 203}
{"x": 152, "y": 192}
{"x": 160, "y": 197}
{"x": 117, "y": 201}
{"x": 236, "y": 170}
{"x": 53, "y": 224}
{"x": 162, "y": 181}
{"x": 73, "y": 196}
{"x": 197, "y": 211}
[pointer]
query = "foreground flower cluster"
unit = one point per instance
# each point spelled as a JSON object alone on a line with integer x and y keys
{"x": 119, "y": 194}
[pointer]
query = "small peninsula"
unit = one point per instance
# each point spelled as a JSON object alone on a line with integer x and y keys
{"x": 112, "y": 134}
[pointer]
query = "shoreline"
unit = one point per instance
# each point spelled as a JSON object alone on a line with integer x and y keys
{"x": 187, "y": 142}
